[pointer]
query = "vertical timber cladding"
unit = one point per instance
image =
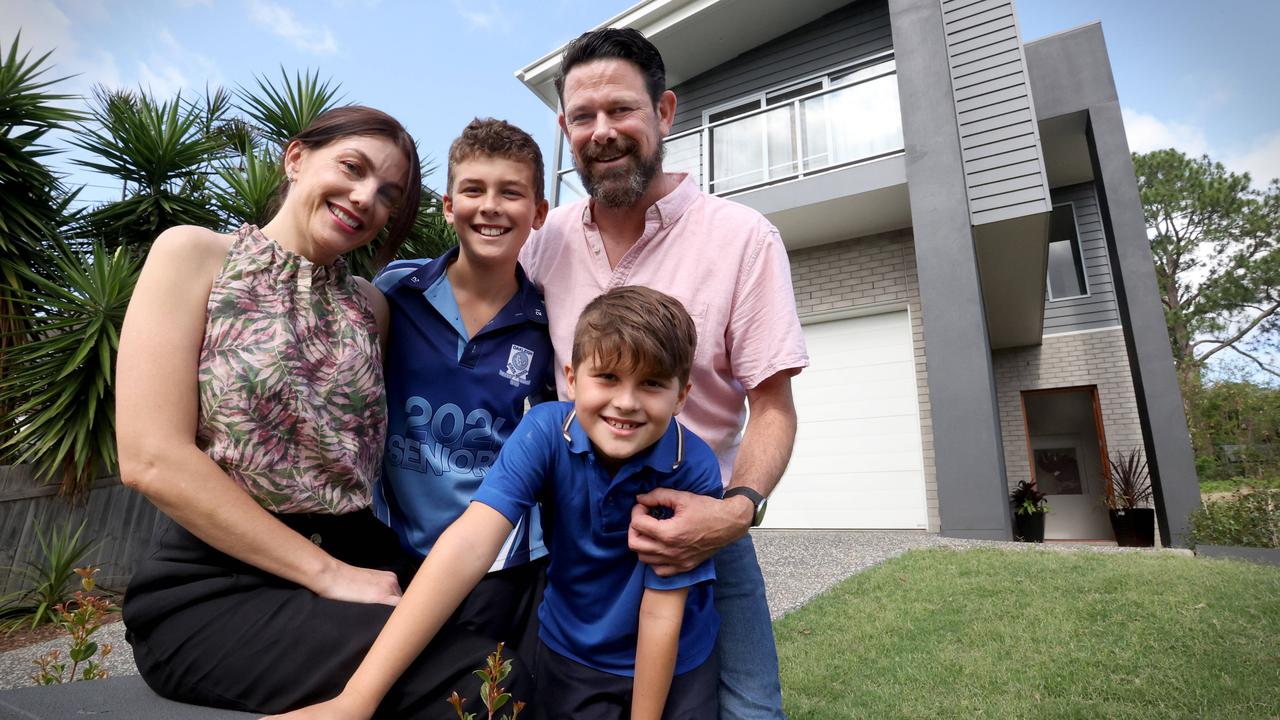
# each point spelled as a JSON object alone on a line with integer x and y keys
{"x": 999, "y": 138}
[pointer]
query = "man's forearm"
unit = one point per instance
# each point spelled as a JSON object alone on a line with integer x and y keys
{"x": 769, "y": 437}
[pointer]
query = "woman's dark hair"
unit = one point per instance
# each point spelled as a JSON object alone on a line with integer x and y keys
{"x": 352, "y": 120}
{"x": 622, "y": 44}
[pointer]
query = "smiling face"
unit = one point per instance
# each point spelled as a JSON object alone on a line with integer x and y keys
{"x": 614, "y": 129}
{"x": 341, "y": 194}
{"x": 492, "y": 207}
{"x": 622, "y": 411}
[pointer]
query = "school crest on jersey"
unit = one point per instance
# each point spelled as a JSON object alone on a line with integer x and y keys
{"x": 518, "y": 363}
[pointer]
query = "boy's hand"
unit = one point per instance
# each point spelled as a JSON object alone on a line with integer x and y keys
{"x": 699, "y": 527}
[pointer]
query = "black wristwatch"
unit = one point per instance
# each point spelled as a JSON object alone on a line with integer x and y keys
{"x": 761, "y": 502}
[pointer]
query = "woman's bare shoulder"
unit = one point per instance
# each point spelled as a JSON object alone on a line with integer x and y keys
{"x": 190, "y": 248}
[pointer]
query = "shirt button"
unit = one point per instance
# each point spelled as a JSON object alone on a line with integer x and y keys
{"x": 315, "y": 538}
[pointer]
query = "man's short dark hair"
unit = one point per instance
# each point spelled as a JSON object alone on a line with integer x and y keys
{"x": 615, "y": 43}
{"x": 486, "y": 138}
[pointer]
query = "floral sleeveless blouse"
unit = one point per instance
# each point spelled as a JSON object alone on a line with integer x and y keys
{"x": 292, "y": 403}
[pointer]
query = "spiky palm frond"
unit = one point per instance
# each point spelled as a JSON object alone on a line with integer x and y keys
{"x": 57, "y": 385}
{"x": 284, "y": 110}
{"x": 32, "y": 200}
{"x": 163, "y": 153}
{"x": 250, "y": 190}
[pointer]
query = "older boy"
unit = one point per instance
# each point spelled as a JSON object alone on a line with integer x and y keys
{"x": 613, "y": 632}
{"x": 469, "y": 346}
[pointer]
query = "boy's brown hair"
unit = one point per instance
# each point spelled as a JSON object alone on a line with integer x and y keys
{"x": 636, "y": 329}
{"x": 487, "y": 137}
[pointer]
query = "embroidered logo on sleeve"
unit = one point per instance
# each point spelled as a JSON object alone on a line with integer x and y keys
{"x": 518, "y": 364}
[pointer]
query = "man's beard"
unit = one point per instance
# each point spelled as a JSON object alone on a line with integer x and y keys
{"x": 620, "y": 187}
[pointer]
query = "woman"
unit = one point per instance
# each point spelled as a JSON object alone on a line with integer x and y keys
{"x": 251, "y": 412}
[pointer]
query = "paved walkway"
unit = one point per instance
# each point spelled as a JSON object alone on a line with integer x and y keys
{"x": 797, "y": 566}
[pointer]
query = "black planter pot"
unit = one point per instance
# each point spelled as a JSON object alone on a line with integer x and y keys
{"x": 1028, "y": 528}
{"x": 1135, "y": 527}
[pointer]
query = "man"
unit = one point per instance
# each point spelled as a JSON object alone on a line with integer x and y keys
{"x": 727, "y": 265}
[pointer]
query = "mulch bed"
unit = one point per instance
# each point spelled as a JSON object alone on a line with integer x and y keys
{"x": 24, "y": 637}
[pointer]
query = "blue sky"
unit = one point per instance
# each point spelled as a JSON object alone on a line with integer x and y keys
{"x": 1195, "y": 75}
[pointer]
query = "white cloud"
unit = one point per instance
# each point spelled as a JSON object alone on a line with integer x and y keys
{"x": 1261, "y": 160}
{"x": 163, "y": 81}
{"x": 482, "y": 15}
{"x": 46, "y": 28}
{"x": 1147, "y": 133}
{"x": 282, "y": 22}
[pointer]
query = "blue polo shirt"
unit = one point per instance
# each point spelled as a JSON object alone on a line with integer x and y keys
{"x": 590, "y": 612}
{"x": 452, "y": 401}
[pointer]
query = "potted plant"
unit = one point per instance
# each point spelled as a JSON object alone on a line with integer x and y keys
{"x": 1132, "y": 520}
{"x": 1029, "y": 509}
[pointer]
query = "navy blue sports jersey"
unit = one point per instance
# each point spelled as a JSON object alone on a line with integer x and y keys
{"x": 452, "y": 401}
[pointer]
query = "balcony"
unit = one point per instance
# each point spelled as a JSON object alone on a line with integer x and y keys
{"x": 853, "y": 117}
{"x": 836, "y": 126}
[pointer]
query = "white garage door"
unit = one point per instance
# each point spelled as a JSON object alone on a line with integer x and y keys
{"x": 857, "y": 461}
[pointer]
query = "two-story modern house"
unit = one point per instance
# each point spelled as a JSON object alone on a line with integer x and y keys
{"x": 968, "y": 251}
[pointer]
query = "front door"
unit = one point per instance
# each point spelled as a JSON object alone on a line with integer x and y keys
{"x": 1068, "y": 451}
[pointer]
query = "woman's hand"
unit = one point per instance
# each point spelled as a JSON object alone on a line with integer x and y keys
{"x": 356, "y": 584}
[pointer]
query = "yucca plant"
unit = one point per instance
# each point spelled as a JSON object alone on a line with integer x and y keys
{"x": 33, "y": 202}
{"x": 284, "y": 110}
{"x": 47, "y": 579}
{"x": 161, "y": 152}
{"x": 57, "y": 385}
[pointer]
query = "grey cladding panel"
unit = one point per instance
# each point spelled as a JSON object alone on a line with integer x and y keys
{"x": 1098, "y": 308}
{"x": 856, "y": 31}
{"x": 999, "y": 139}
{"x": 996, "y": 122}
{"x": 1000, "y": 108}
{"x": 982, "y": 177}
{"x": 964, "y": 60}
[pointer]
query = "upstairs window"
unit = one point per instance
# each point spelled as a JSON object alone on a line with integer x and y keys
{"x": 1066, "y": 261}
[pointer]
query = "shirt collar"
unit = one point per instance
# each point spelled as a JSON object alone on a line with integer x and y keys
{"x": 526, "y": 304}
{"x": 665, "y": 456}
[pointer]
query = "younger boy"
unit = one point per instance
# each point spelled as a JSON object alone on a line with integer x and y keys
{"x": 613, "y": 633}
{"x": 468, "y": 346}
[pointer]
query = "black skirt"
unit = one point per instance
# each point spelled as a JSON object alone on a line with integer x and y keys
{"x": 211, "y": 630}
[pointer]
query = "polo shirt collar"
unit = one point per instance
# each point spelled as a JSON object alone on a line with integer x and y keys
{"x": 526, "y": 304}
{"x": 668, "y": 208}
{"x": 665, "y": 456}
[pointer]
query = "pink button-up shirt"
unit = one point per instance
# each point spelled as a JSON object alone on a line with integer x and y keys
{"x": 723, "y": 260}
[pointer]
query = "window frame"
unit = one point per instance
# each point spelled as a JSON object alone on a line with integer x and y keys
{"x": 1079, "y": 252}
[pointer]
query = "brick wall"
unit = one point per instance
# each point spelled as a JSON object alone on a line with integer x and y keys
{"x": 1094, "y": 357}
{"x": 865, "y": 272}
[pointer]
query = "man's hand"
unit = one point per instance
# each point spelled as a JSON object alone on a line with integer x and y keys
{"x": 700, "y": 526}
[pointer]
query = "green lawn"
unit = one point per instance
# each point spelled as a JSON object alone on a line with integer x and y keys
{"x": 1038, "y": 634}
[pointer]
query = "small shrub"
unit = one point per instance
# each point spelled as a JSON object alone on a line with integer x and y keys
{"x": 491, "y": 692}
{"x": 1247, "y": 520}
{"x": 1026, "y": 499}
{"x": 1130, "y": 481}
{"x": 80, "y": 617}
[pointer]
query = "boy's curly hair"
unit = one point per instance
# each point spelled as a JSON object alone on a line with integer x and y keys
{"x": 487, "y": 137}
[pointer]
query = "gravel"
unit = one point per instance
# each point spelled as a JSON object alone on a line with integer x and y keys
{"x": 797, "y": 565}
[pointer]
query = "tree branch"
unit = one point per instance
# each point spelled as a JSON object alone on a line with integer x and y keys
{"x": 1261, "y": 365}
{"x": 1244, "y": 331}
